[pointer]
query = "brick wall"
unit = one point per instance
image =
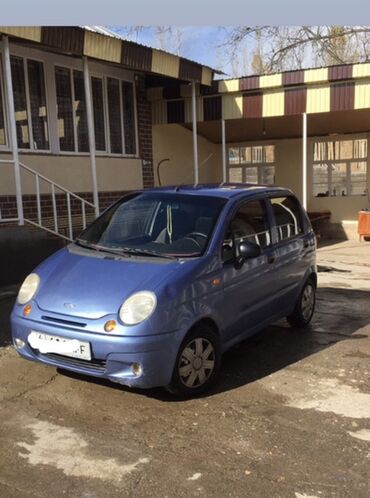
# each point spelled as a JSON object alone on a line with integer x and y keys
{"x": 8, "y": 205}
{"x": 144, "y": 112}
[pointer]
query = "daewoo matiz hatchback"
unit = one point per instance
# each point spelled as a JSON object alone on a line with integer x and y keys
{"x": 165, "y": 281}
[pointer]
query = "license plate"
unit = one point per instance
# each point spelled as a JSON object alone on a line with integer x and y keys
{"x": 46, "y": 343}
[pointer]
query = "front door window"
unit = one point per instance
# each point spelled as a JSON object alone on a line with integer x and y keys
{"x": 249, "y": 224}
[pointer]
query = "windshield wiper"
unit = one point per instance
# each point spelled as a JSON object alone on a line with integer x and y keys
{"x": 122, "y": 250}
{"x": 144, "y": 252}
{"x": 96, "y": 247}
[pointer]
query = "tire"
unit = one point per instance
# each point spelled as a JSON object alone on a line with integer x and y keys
{"x": 305, "y": 307}
{"x": 197, "y": 363}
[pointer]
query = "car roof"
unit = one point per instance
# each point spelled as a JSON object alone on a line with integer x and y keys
{"x": 224, "y": 190}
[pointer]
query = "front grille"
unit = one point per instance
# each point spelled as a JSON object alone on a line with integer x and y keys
{"x": 62, "y": 321}
{"x": 94, "y": 364}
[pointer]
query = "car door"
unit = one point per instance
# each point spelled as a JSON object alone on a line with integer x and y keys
{"x": 292, "y": 248}
{"x": 249, "y": 289}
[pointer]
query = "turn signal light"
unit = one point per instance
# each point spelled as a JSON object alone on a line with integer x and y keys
{"x": 27, "y": 309}
{"x": 110, "y": 325}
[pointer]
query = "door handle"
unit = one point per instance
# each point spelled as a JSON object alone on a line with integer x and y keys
{"x": 271, "y": 259}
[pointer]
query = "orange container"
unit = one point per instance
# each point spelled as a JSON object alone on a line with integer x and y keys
{"x": 363, "y": 224}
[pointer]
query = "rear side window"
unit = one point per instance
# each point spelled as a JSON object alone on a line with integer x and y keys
{"x": 288, "y": 218}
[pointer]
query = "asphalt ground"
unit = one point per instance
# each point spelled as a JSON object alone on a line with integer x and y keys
{"x": 289, "y": 417}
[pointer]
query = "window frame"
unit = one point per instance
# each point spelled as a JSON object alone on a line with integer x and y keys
{"x": 6, "y": 145}
{"x": 302, "y": 221}
{"x": 348, "y": 161}
{"x": 245, "y": 165}
{"x": 25, "y": 59}
{"x": 103, "y": 77}
{"x": 50, "y": 61}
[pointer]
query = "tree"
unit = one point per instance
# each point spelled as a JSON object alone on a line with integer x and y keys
{"x": 278, "y": 48}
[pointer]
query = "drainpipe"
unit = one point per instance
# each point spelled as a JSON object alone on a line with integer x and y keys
{"x": 13, "y": 129}
{"x": 91, "y": 133}
{"x": 304, "y": 161}
{"x": 223, "y": 134}
{"x": 195, "y": 137}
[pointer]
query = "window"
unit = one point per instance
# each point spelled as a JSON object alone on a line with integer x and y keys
{"x": 252, "y": 164}
{"x": 2, "y": 112}
{"x": 36, "y": 83}
{"x": 80, "y": 112}
{"x": 64, "y": 105}
{"x": 98, "y": 108}
{"x": 340, "y": 168}
{"x": 128, "y": 106}
{"x": 29, "y": 103}
{"x": 167, "y": 224}
{"x": 113, "y": 113}
{"x": 250, "y": 224}
{"x": 287, "y": 217}
{"x": 115, "y": 125}
{"x": 71, "y": 103}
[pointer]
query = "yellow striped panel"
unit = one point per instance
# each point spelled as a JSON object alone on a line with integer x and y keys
{"x": 271, "y": 80}
{"x": 318, "y": 99}
{"x": 159, "y": 112}
{"x": 189, "y": 110}
{"x": 232, "y": 106}
{"x": 102, "y": 47}
{"x": 225, "y": 86}
{"x": 27, "y": 32}
{"x": 362, "y": 94}
{"x": 316, "y": 75}
{"x": 155, "y": 93}
{"x": 273, "y": 104}
{"x": 167, "y": 64}
{"x": 206, "y": 76}
{"x": 361, "y": 70}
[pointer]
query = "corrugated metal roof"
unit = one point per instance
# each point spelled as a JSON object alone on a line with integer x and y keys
{"x": 108, "y": 32}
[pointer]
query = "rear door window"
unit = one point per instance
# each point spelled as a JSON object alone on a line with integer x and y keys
{"x": 288, "y": 217}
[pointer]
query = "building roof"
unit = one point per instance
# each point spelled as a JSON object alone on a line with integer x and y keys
{"x": 101, "y": 43}
{"x": 312, "y": 75}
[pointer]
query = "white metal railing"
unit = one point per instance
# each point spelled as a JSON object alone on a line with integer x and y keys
{"x": 43, "y": 221}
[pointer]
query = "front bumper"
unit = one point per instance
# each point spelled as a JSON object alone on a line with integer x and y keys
{"x": 112, "y": 355}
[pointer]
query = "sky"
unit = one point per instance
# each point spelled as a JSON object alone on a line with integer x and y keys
{"x": 202, "y": 44}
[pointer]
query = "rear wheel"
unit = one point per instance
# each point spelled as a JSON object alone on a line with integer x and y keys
{"x": 197, "y": 362}
{"x": 305, "y": 306}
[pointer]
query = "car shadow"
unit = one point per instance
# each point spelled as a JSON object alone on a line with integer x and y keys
{"x": 6, "y": 306}
{"x": 340, "y": 314}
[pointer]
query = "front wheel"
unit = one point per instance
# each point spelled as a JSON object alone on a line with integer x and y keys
{"x": 197, "y": 362}
{"x": 305, "y": 307}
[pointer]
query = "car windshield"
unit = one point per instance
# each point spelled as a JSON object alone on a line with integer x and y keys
{"x": 158, "y": 224}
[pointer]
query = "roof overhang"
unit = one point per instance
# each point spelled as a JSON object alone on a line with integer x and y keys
{"x": 97, "y": 44}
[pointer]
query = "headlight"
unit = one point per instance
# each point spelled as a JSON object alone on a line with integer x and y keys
{"x": 28, "y": 288}
{"x": 138, "y": 307}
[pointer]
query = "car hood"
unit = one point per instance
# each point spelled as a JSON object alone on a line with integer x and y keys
{"x": 87, "y": 284}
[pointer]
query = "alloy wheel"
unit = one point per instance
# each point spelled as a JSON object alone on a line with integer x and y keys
{"x": 197, "y": 362}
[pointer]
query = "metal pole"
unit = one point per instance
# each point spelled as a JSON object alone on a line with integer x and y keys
{"x": 223, "y": 133}
{"x": 195, "y": 138}
{"x": 304, "y": 162}
{"x": 13, "y": 129}
{"x": 90, "y": 129}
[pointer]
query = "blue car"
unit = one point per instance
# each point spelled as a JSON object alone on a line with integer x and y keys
{"x": 166, "y": 280}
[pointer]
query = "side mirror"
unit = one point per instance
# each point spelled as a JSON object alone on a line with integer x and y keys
{"x": 248, "y": 250}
